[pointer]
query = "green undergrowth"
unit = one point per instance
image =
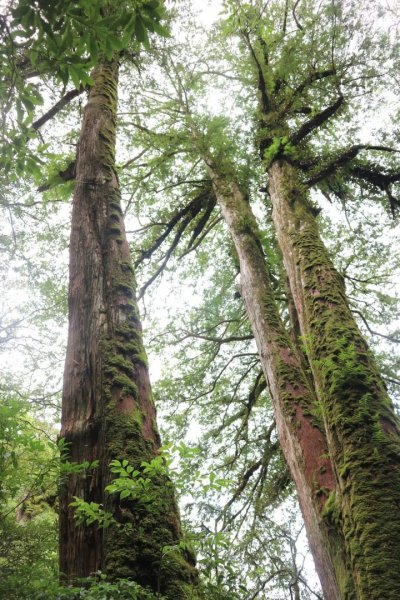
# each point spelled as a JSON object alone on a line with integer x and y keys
{"x": 96, "y": 588}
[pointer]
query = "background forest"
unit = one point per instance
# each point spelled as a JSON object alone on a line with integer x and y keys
{"x": 212, "y": 100}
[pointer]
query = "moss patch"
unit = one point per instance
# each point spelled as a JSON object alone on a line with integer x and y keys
{"x": 360, "y": 421}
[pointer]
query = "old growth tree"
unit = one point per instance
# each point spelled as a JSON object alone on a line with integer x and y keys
{"x": 108, "y": 412}
{"x": 298, "y": 62}
{"x": 356, "y": 413}
{"x": 310, "y": 65}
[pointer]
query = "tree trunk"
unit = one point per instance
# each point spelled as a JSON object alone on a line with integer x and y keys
{"x": 361, "y": 428}
{"x": 108, "y": 411}
{"x": 296, "y": 408}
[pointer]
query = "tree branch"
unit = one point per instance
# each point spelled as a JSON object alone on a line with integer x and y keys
{"x": 316, "y": 121}
{"x": 69, "y": 96}
{"x": 340, "y": 160}
{"x": 312, "y": 78}
{"x": 373, "y": 332}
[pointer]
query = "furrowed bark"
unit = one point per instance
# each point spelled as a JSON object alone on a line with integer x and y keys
{"x": 362, "y": 431}
{"x": 108, "y": 411}
{"x": 296, "y": 408}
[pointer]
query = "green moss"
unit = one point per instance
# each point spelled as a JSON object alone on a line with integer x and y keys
{"x": 135, "y": 548}
{"x": 141, "y": 357}
{"x": 354, "y": 404}
{"x": 126, "y": 288}
{"x": 331, "y": 510}
{"x": 115, "y": 207}
{"x": 279, "y": 146}
{"x": 114, "y": 231}
{"x": 121, "y": 363}
{"x": 104, "y": 93}
{"x": 126, "y": 267}
{"x": 116, "y": 378}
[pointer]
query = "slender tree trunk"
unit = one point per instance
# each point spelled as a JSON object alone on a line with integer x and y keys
{"x": 361, "y": 428}
{"x": 296, "y": 408}
{"x": 108, "y": 411}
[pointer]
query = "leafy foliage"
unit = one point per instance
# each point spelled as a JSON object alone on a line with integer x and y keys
{"x": 233, "y": 483}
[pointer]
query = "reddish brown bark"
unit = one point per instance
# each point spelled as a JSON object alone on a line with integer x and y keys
{"x": 361, "y": 428}
{"x": 300, "y": 432}
{"x": 108, "y": 411}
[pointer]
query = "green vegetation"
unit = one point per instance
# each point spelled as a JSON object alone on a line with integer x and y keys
{"x": 290, "y": 104}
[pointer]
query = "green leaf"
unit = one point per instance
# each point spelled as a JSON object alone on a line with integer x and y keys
{"x": 141, "y": 32}
{"x": 160, "y": 29}
{"x": 75, "y": 75}
{"x": 27, "y": 102}
{"x": 67, "y": 38}
{"x": 20, "y": 11}
{"x": 115, "y": 42}
{"x": 153, "y": 25}
{"x": 93, "y": 48}
{"x": 111, "y": 488}
{"x": 129, "y": 29}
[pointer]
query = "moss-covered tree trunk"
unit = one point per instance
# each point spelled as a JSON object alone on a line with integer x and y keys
{"x": 361, "y": 428}
{"x": 108, "y": 411}
{"x": 296, "y": 410}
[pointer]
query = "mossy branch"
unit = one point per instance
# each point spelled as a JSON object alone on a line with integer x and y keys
{"x": 341, "y": 159}
{"x": 185, "y": 215}
{"x": 306, "y": 83}
{"x": 318, "y": 120}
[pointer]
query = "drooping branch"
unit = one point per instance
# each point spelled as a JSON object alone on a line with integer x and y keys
{"x": 212, "y": 223}
{"x": 243, "y": 483}
{"x": 201, "y": 206}
{"x": 202, "y": 222}
{"x": 259, "y": 386}
{"x": 191, "y": 210}
{"x": 167, "y": 256}
{"x": 325, "y": 169}
{"x": 270, "y": 450}
{"x": 391, "y": 338}
{"x": 262, "y": 84}
{"x": 295, "y": 16}
{"x": 380, "y": 179}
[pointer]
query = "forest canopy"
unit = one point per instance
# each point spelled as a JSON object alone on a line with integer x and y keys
{"x": 208, "y": 194}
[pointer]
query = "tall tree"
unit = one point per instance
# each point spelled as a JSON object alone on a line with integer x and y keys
{"x": 300, "y": 430}
{"x": 303, "y": 64}
{"x": 108, "y": 411}
{"x": 362, "y": 431}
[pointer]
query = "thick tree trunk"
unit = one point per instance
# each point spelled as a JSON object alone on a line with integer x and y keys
{"x": 361, "y": 428}
{"x": 108, "y": 411}
{"x": 296, "y": 408}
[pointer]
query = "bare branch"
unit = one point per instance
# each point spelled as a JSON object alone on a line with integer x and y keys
{"x": 65, "y": 100}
